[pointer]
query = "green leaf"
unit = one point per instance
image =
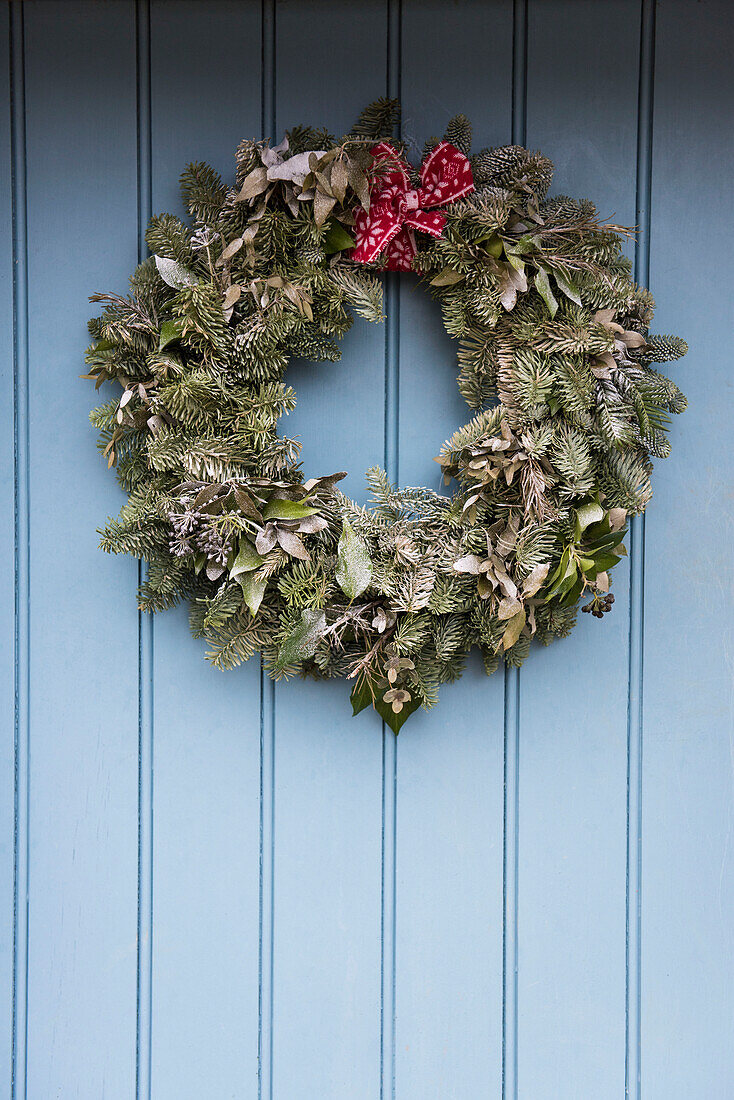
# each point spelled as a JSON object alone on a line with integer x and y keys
{"x": 494, "y": 245}
{"x": 567, "y": 287}
{"x": 247, "y": 559}
{"x": 542, "y": 285}
{"x": 586, "y": 515}
{"x": 354, "y": 567}
{"x": 336, "y": 238}
{"x": 300, "y": 645}
{"x": 361, "y": 696}
{"x": 170, "y": 331}
{"x": 602, "y": 562}
{"x": 573, "y": 593}
{"x": 393, "y": 720}
{"x": 253, "y": 590}
{"x": 174, "y": 273}
{"x": 277, "y": 508}
{"x": 447, "y": 277}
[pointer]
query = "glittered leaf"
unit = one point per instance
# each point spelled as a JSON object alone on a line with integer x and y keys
{"x": 542, "y": 285}
{"x": 354, "y": 567}
{"x": 174, "y": 273}
{"x": 253, "y": 590}
{"x": 300, "y": 645}
{"x": 247, "y": 559}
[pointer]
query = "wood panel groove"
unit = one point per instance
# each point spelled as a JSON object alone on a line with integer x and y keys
{"x": 633, "y": 889}
{"x": 22, "y": 510}
{"x": 511, "y": 731}
{"x": 22, "y": 673}
{"x": 388, "y": 964}
{"x": 146, "y": 626}
{"x": 266, "y": 944}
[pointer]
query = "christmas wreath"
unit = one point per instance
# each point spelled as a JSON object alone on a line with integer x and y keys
{"x": 555, "y": 360}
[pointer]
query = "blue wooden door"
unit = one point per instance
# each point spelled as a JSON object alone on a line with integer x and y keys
{"x": 214, "y": 888}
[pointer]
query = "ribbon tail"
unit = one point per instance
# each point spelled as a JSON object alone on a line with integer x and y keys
{"x": 428, "y": 221}
{"x": 401, "y": 251}
{"x": 372, "y": 233}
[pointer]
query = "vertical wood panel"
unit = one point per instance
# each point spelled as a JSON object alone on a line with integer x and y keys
{"x": 582, "y": 113}
{"x": 456, "y": 58}
{"x": 82, "y": 217}
{"x": 13, "y": 417}
{"x": 326, "y": 993}
{"x": 205, "y": 96}
{"x": 328, "y": 1016}
{"x": 688, "y": 875}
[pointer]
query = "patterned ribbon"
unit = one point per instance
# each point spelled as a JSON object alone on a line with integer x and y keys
{"x": 396, "y": 209}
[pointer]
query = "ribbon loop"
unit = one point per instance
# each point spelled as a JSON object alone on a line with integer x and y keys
{"x": 396, "y": 209}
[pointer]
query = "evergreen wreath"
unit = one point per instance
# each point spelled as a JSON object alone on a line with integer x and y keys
{"x": 555, "y": 360}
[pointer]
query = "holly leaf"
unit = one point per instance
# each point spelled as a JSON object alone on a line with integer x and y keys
{"x": 354, "y": 567}
{"x": 300, "y": 644}
{"x": 253, "y": 590}
{"x": 174, "y": 273}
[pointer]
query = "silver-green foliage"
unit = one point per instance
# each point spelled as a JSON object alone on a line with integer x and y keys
{"x": 555, "y": 361}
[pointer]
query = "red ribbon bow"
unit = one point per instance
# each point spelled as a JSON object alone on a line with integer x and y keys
{"x": 396, "y": 209}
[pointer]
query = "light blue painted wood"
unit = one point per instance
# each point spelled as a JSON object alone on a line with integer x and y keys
{"x": 688, "y": 874}
{"x": 282, "y": 839}
{"x": 205, "y": 97}
{"x": 330, "y": 61}
{"x": 573, "y": 728}
{"x": 7, "y": 554}
{"x": 450, "y": 761}
{"x": 81, "y": 202}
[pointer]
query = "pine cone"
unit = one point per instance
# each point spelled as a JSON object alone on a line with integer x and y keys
{"x": 458, "y": 133}
{"x": 664, "y": 349}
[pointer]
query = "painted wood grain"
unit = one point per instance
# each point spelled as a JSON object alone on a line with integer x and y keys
{"x": 687, "y": 993}
{"x": 205, "y": 96}
{"x": 330, "y": 62}
{"x": 572, "y": 843}
{"x": 80, "y": 127}
{"x": 449, "y": 761}
{"x": 333, "y": 914}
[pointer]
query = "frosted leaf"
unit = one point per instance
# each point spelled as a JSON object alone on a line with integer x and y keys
{"x": 354, "y": 567}
{"x": 174, "y": 273}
